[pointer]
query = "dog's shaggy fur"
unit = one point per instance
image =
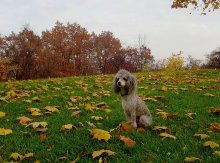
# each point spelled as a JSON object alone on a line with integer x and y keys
{"x": 136, "y": 112}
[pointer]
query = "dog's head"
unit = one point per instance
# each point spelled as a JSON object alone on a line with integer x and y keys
{"x": 124, "y": 83}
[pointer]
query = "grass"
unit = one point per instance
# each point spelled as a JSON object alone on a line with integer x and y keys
{"x": 185, "y": 94}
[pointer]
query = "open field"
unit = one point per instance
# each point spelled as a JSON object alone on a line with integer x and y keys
{"x": 184, "y": 102}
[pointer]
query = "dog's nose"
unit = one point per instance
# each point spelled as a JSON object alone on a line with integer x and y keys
{"x": 119, "y": 83}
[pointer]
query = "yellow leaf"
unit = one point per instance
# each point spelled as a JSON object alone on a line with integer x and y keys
{"x": 33, "y": 110}
{"x": 97, "y": 118}
{"x": 51, "y": 109}
{"x": 68, "y": 127}
{"x": 192, "y": 159}
{"x": 164, "y": 89}
{"x": 166, "y": 135}
{"x": 38, "y": 124}
{"x": 28, "y": 155}
{"x": 211, "y": 144}
{"x": 24, "y": 120}
{"x": 2, "y": 114}
{"x": 35, "y": 113}
{"x": 107, "y": 110}
{"x": 160, "y": 128}
{"x": 100, "y": 152}
{"x": 4, "y": 131}
{"x": 190, "y": 115}
{"x": 17, "y": 156}
{"x": 100, "y": 134}
{"x": 202, "y": 136}
{"x": 163, "y": 114}
{"x": 208, "y": 95}
{"x": 76, "y": 113}
{"x": 217, "y": 153}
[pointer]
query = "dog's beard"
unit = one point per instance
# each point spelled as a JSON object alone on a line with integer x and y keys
{"x": 123, "y": 91}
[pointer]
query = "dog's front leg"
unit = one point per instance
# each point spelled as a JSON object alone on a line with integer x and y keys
{"x": 133, "y": 119}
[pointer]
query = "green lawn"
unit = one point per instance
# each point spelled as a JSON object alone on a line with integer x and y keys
{"x": 177, "y": 94}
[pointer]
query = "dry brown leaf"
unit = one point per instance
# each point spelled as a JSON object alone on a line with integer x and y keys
{"x": 127, "y": 141}
{"x": 76, "y": 113}
{"x": 215, "y": 126}
{"x": 100, "y": 152}
{"x": 24, "y": 120}
{"x": 190, "y": 115}
{"x": 51, "y": 109}
{"x": 42, "y": 137}
{"x": 125, "y": 126}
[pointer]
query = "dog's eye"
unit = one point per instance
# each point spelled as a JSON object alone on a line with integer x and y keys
{"x": 125, "y": 79}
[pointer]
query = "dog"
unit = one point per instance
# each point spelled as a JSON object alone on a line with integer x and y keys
{"x": 135, "y": 110}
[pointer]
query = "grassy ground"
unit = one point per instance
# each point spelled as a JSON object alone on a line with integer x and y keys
{"x": 183, "y": 93}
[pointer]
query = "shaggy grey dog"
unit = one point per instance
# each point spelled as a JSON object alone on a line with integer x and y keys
{"x": 136, "y": 112}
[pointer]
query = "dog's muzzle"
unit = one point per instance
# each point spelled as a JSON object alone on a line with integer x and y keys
{"x": 120, "y": 84}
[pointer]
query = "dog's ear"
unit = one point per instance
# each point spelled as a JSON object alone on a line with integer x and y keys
{"x": 132, "y": 84}
{"x": 115, "y": 88}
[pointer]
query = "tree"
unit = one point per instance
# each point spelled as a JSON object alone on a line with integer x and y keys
{"x": 22, "y": 48}
{"x": 214, "y": 59}
{"x": 106, "y": 48}
{"x": 193, "y": 63}
{"x": 205, "y": 5}
{"x": 175, "y": 62}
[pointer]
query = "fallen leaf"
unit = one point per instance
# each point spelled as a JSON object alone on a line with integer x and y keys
{"x": 17, "y": 156}
{"x": 127, "y": 141}
{"x": 166, "y": 135}
{"x": 208, "y": 95}
{"x": 102, "y": 105}
{"x": 140, "y": 129}
{"x": 217, "y": 153}
{"x": 39, "y": 124}
{"x": 76, "y": 113}
{"x": 163, "y": 114}
{"x": 97, "y": 118}
{"x": 36, "y": 99}
{"x": 164, "y": 89}
{"x": 192, "y": 159}
{"x": 74, "y": 161}
{"x": 4, "y": 131}
{"x": 100, "y": 152}
{"x": 215, "y": 126}
{"x": 68, "y": 127}
{"x": 33, "y": 110}
{"x": 125, "y": 126}
{"x": 51, "y": 109}
{"x": 211, "y": 144}
{"x": 35, "y": 113}
{"x": 160, "y": 128}
{"x": 216, "y": 111}
{"x": 190, "y": 115}
{"x": 2, "y": 114}
{"x": 24, "y": 120}
{"x": 107, "y": 110}
{"x": 42, "y": 137}
{"x": 91, "y": 108}
{"x": 27, "y": 155}
{"x": 100, "y": 134}
{"x": 202, "y": 136}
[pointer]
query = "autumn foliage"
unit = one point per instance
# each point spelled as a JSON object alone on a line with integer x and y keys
{"x": 66, "y": 50}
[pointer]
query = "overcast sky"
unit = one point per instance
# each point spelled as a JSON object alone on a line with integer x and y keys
{"x": 165, "y": 30}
